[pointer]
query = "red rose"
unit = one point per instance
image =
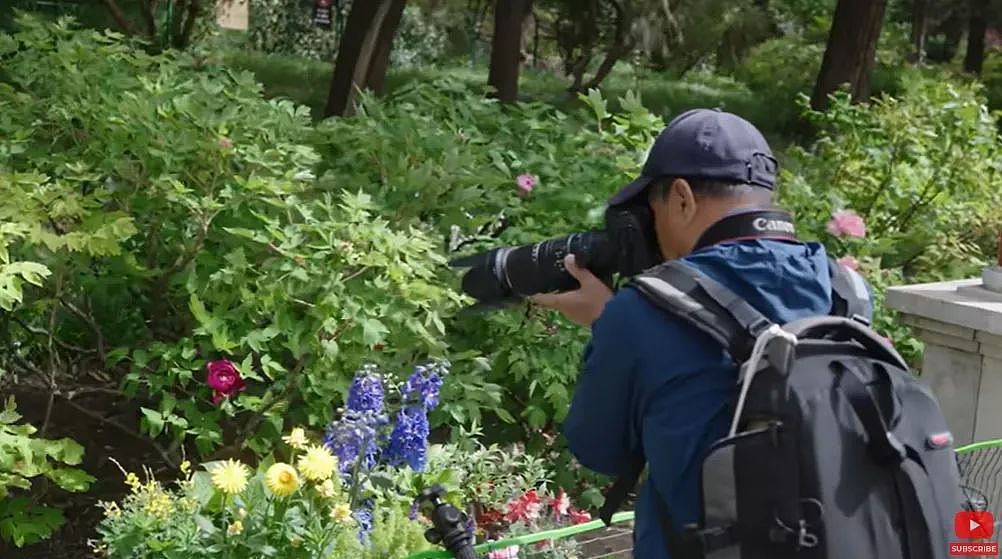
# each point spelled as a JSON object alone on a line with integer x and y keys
{"x": 223, "y": 379}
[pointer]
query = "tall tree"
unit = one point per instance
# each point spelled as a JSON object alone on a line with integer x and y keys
{"x": 358, "y": 62}
{"x": 506, "y": 47}
{"x": 920, "y": 26}
{"x": 376, "y": 77}
{"x": 851, "y": 50}
{"x": 977, "y": 26}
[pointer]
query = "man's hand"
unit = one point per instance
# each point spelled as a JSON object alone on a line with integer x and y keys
{"x": 583, "y": 305}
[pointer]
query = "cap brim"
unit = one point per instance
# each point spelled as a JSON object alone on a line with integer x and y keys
{"x": 631, "y": 190}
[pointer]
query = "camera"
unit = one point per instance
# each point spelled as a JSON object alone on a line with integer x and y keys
{"x": 502, "y": 276}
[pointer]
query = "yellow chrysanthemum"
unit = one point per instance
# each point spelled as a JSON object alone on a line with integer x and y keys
{"x": 230, "y": 477}
{"x": 282, "y": 479}
{"x": 296, "y": 439}
{"x": 317, "y": 464}
{"x": 235, "y": 529}
{"x": 341, "y": 512}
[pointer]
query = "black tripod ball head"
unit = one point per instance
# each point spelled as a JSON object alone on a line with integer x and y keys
{"x": 449, "y": 524}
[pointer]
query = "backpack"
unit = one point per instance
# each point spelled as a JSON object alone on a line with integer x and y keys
{"x": 835, "y": 450}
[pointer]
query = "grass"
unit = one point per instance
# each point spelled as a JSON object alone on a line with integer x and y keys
{"x": 306, "y": 82}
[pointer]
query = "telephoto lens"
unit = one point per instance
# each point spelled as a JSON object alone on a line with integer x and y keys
{"x": 502, "y": 276}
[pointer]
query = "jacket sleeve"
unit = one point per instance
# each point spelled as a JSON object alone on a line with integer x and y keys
{"x": 600, "y": 427}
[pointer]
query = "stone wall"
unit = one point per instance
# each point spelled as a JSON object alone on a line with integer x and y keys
{"x": 960, "y": 323}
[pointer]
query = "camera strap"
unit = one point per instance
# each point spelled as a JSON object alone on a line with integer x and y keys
{"x": 749, "y": 225}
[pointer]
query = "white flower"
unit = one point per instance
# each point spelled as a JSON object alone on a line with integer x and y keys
{"x": 304, "y": 176}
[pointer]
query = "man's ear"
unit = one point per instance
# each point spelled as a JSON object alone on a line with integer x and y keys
{"x": 683, "y": 200}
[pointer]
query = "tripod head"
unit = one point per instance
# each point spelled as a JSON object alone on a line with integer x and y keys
{"x": 448, "y": 524}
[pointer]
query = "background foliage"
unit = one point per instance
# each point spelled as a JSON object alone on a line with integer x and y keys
{"x": 192, "y": 208}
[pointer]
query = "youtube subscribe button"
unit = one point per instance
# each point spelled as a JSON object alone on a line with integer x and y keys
{"x": 977, "y": 525}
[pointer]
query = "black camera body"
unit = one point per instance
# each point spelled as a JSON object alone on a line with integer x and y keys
{"x": 502, "y": 276}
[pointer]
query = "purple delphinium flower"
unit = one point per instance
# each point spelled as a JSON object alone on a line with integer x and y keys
{"x": 355, "y": 440}
{"x": 424, "y": 384}
{"x": 409, "y": 439}
{"x": 366, "y": 392}
{"x": 364, "y": 518}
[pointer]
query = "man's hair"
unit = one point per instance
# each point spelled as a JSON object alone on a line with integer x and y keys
{"x": 718, "y": 190}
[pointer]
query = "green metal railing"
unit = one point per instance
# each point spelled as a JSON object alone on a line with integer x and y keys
{"x": 529, "y": 539}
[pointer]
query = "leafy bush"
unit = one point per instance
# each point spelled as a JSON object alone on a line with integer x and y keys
{"x": 287, "y": 27}
{"x": 25, "y": 459}
{"x": 921, "y": 169}
{"x": 419, "y": 42}
{"x": 439, "y": 154}
{"x": 177, "y": 211}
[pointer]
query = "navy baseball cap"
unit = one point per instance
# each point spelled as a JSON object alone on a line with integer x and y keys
{"x": 706, "y": 144}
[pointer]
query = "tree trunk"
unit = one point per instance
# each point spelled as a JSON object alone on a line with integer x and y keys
{"x": 375, "y": 79}
{"x": 506, "y": 47}
{"x": 354, "y": 54}
{"x": 619, "y": 47}
{"x": 977, "y": 26}
{"x": 953, "y": 30}
{"x": 851, "y": 50}
{"x": 919, "y": 29}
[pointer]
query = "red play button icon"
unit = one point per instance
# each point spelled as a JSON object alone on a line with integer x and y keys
{"x": 974, "y": 525}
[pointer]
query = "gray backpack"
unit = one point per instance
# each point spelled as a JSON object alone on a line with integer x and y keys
{"x": 836, "y": 450}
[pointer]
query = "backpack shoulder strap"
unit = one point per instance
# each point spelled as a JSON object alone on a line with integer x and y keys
{"x": 694, "y": 297}
{"x": 850, "y": 297}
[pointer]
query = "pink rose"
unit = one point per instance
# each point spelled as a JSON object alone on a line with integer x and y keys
{"x": 223, "y": 379}
{"x": 225, "y": 142}
{"x": 578, "y": 516}
{"x": 847, "y": 223}
{"x": 525, "y": 184}
{"x": 849, "y": 262}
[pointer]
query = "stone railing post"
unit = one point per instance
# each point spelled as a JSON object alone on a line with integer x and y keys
{"x": 960, "y": 323}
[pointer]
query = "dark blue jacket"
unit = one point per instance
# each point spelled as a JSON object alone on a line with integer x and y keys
{"x": 652, "y": 384}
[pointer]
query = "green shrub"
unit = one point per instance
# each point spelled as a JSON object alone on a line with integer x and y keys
{"x": 24, "y": 459}
{"x": 177, "y": 211}
{"x": 922, "y": 169}
{"x": 286, "y": 27}
{"x": 437, "y": 153}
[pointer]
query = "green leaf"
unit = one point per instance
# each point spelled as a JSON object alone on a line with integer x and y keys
{"x": 71, "y": 479}
{"x": 205, "y": 525}
{"x": 373, "y": 331}
{"x": 504, "y": 415}
{"x": 154, "y": 421}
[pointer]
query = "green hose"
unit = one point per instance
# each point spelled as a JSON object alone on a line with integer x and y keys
{"x": 555, "y": 534}
{"x": 980, "y": 445}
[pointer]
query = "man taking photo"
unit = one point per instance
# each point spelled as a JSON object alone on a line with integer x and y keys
{"x": 651, "y": 385}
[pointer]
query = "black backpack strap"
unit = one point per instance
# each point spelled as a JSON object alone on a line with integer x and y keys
{"x": 850, "y": 297}
{"x": 887, "y": 450}
{"x": 697, "y": 299}
{"x": 694, "y": 297}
